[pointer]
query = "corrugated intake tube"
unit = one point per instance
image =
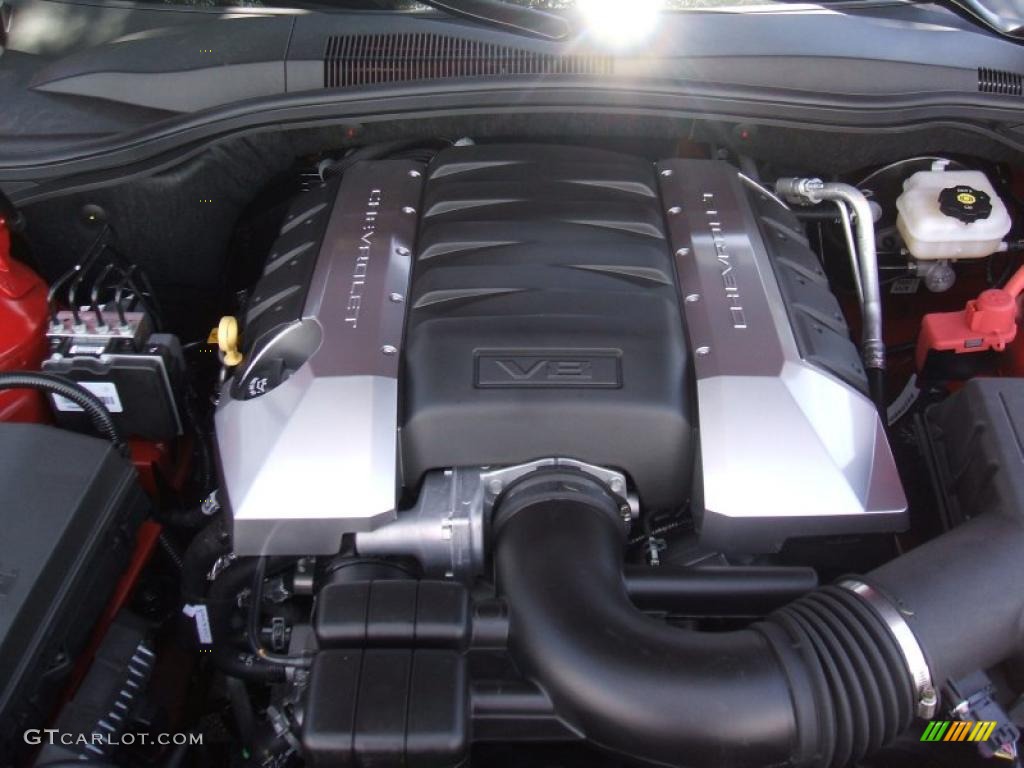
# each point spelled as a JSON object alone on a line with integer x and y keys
{"x": 822, "y": 682}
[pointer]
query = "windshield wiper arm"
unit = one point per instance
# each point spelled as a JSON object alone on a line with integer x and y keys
{"x": 519, "y": 19}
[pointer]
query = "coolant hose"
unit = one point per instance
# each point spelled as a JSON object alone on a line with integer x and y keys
{"x": 206, "y": 547}
{"x": 223, "y": 606}
{"x": 821, "y": 682}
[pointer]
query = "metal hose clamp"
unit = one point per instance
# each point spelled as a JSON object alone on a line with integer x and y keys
{"x": 913, "y": 655}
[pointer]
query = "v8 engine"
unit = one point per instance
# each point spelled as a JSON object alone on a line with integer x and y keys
{"x": 424, "y": 335}
{"x": 522, "y": 454}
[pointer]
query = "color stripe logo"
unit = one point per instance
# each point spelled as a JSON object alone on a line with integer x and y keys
{"x": 958, "y": 730}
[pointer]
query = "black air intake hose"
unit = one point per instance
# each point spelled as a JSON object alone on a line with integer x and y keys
{"x": 821, "y": 682}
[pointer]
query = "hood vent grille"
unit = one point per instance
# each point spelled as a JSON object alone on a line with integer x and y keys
{"x": 394, "y": 58}
{"x": 1001, "y": 82}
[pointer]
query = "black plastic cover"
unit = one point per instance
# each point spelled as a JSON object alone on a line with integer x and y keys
{"x": 544, "y": 319}
{"x": 393, "y": 613}
{"x": 70, "y": 508}
{"x": 379, "y": 707}
{"x": 818, "y": 324}
{"x": 279, "y": 296}
{"x": 976, "y": 437}
{"x": 122, "y": 665}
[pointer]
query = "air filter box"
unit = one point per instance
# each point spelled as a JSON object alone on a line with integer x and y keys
{"x": 69, "y": 512}
{"x": 976, "y": 437}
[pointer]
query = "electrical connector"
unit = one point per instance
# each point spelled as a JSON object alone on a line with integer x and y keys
{"x": 987, "y": 322}
{"x": 976, "y": 703}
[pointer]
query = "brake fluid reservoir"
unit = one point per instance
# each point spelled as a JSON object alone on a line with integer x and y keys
{"x": 951, "y": 215}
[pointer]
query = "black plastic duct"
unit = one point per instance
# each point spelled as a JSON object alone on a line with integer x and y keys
{"x": 821, "y": 682}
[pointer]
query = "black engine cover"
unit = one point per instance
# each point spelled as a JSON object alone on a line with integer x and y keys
{"x": 544, "y": 319}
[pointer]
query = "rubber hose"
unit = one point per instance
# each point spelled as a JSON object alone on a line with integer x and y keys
{"x": 820, "y": 682}
{"x": 961, "y": 594}
{"x": 629, "y": 683}
{"x": 876, "y": 390}
{"x": 83, "y": 398}
{"x": 203, "y": 551}
{"x": 717, "y": 590}
{"x": 211, "y": 543}
{"x": 245, "y": 666}
{"x": 222, "y": 603}
{"x": 184, "y": 518}
{"x": 169, "y": 548}
{"x": 256, "y": 645}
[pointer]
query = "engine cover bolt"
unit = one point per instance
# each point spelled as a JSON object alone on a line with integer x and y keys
{"x": 494, "y": 486}
{"x": 396, "y": 297}
{"x": 387, "y": 349}
{"x": 675, "y": 210}
{"x": 402, "y": 251}
{"x": 693, "y": 298}
{"x": 702, "y": 351}
{"x": 409, "y": 209}
{"x": 414, "y": 174}
{"x": 666, "y": 173}
{"x": 683, "y": 251}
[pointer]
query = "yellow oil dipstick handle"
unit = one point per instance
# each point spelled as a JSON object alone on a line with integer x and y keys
{"x": 227, "y": 340}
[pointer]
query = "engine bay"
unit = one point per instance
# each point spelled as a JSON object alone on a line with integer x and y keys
{"x": 519, "y": 453}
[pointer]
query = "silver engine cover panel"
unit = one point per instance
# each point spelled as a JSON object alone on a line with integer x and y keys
{"x": 316, "y": 456}
{"x": 787, "y": 448}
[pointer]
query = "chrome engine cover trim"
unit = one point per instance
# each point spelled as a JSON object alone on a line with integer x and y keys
{"x": 316, "y": 456}
{"x": 786, "y": 448}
